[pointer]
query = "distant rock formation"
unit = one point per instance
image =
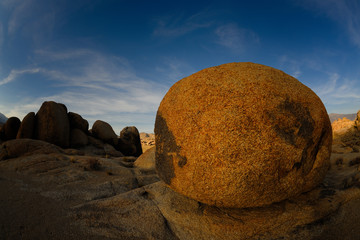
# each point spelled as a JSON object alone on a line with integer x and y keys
{"x": 340, "y": 126}
{"x": 147, "y": 138}
{"x": 335, "y": 116}
{"x": 53, "y": 124}
{"x": 212, "y": 145}
{"x": 3, "y": 119}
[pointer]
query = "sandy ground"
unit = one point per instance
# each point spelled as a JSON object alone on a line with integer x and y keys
{"x": 25, "y": 214}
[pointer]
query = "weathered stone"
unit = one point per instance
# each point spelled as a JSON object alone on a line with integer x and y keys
{"x": 25, "y": 147}
{"x": 125, "y": 147}
{"x": 78, "y": 138}
{"x": 52, "y": 124}
{"x": 27, "y": 127}
{"x": 125, "y": 216}
{"x": 76, "y": 121}
{"x": 146, "y": 161}
{"x": 242, "y": 135}
{"x": 111, "y": 151}
{"x": 103, "y": 131}
{"x": 357, "y": 120}
{"x": 130, "y": 137}
{"x": 11, "y": 128}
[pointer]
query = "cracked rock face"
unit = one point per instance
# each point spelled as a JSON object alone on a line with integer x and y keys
{"x": 242, "y": 135}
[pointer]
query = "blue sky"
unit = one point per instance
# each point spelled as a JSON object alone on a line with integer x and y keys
{"x": 114, "y": 60}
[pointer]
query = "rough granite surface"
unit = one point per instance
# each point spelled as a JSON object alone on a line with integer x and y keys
{"x": 242, "y": 135}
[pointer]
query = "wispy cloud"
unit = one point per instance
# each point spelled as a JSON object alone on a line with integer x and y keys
{"x": 1, "y": 35}
{"x": 98, "y": 86}
{"x": 331, "y": 88}
{"x": 37, "y": 20}
{"x": 338, "y": 94}
{"x": 14, "y": 74}
{"x": 174, "y": 69}
{"x": 175, "y": 26}
{"x": 291, "y": 66}
{"x": 344, "y": 12}
{"x": 234, "y": 37}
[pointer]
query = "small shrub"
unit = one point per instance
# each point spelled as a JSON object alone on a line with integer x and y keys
{"x": 93, "y": 164}
{"x": 72, "y": 160}
{"x": 354, "y": 161}
{"x": 339, "y": 161}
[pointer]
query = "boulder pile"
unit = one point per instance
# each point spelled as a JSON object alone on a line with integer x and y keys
{"x": 242, "y": 135}
{"x": 54, "y": 124}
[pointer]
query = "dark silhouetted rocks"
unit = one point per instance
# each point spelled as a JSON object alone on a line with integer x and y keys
{"x": 53, "y": 124}
{"x": 78, "y": 138}
{"x": 11, "y": 128}
{"x": 76, "y": 121}
{"x": 27, "y": 127}
{"x": 103, "y": 131}
{"x": 129, "y": 142}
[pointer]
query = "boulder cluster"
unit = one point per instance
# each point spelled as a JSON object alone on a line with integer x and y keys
{"x": 54, "y": 124}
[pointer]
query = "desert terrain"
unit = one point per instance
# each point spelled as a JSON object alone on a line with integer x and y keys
{"x": 49, "y": 192}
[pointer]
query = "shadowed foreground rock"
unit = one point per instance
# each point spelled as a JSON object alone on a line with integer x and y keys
{"x": 241, "y": 135}
{"x": 54, "y": 193}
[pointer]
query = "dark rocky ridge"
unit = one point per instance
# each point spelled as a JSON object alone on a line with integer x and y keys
{"x": 54, "y": 124}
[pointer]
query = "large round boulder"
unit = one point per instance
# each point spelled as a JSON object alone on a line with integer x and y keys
{"x": 242, "y": 135}
{"x": 27, "y": 127}
{"x": 52, "y": 124}
{"x": 11, "y": 128}
{"x": 103, "y": 131}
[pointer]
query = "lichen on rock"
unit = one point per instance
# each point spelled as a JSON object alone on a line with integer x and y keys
{"x": 242, "y": 135}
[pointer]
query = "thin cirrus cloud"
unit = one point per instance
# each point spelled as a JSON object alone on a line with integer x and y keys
{"x": 234, "y": 37}
{"x": 344, "y": 12}
{"x": 175, "y": 26}
{"x": 1, "y": 35}
{"x": 99, "y": 87}
{"x": 339, "y": 92}
{"x": 28, "y": 17}
{"x": 14, "y": 74}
